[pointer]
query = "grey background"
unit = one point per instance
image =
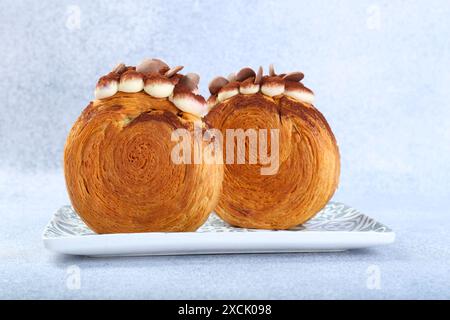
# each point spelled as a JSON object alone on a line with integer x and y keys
{"x": 380, "y": 71}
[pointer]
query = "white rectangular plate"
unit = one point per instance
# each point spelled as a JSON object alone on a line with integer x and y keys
{"x": 335, "y": 228}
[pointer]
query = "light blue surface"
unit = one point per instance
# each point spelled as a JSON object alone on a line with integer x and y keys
{"x": 381, "y": 73}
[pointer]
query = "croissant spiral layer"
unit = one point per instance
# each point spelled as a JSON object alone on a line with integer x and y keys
{"x": 308, "y": 170}
{"x": 119, "y": 172}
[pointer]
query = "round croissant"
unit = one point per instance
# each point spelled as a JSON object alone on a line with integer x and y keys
{"x": 119, "y": 172}
{"x": 308, "y": 171}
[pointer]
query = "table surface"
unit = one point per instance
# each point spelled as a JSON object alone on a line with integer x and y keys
{"x": 416, "y": 266}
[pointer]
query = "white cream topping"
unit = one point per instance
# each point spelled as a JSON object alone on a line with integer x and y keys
{"x": 159, "y": 90}
{"x": 102, "y": 92}
{"x": 252, "y": 89}
{"x": 190, "y": 105}
{"x": 212, "y": 102}
{"x": 301, "y": 95}
{"x": 131, "y": 85}
{"x": 227, "y": 94}
{"x": 272, "y": 90}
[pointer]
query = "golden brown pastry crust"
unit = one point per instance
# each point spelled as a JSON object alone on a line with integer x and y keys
{"x": 308, "y": 170}
{"x": 119, "y": 172}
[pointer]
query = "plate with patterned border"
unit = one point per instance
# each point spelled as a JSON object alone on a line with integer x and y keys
{"x": 337, "y": 227}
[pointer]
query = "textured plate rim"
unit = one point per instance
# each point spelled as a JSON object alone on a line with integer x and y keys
{"x": 217, "y": 241}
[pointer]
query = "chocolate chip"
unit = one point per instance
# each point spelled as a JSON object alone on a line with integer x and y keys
{"x": 271, "y": 70}
{"x": 244, "y": 74}
{"x": 173, "y": 71}
{"x": 294, "y": 76}
{"x": 259, "y": 76}
{"x": 216, "y": 84}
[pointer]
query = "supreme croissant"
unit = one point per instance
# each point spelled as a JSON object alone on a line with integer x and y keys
{"x": 117, "y": 159}
{"x": 308, "y": 158}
